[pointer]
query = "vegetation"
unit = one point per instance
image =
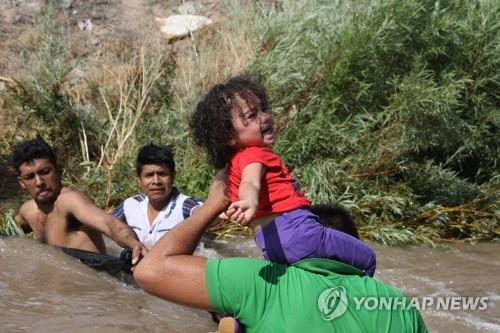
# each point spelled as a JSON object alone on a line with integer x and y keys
{"x": 8, "y": 224}
{"x": 390, "y": 108}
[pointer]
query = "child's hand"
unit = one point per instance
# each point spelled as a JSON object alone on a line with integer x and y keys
{"x": 223, "y": 216}
{"x": 241, "y": 212}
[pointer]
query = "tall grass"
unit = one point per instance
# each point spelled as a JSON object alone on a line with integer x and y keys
{"x": 91, "y": 105}
{"x": 39, "y": 97}
{"x": 384, "y": 114}
{"x": 390, "y": 108}
{"x": 8, "y": 224}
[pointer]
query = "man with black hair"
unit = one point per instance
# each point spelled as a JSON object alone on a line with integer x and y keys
{"x": 336, "y": 217}
{"x": 161, "y": 206}
{"x": 58, "y": 215}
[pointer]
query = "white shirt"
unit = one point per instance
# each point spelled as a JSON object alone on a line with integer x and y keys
{"x": 134, "y": 211}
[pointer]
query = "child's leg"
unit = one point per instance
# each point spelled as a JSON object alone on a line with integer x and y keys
{"x": 297, "y": 235}
{"x": 290, "y": 237}
{"x": 347, "y": 249}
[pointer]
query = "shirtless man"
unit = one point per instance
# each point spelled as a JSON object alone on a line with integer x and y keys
{"x": 58, "y": 215}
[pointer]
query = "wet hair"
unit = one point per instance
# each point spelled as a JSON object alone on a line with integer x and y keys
{"x": 29, "y": 150}
{"x": 153, "y": 154}
{"x": 211, "y": 124}
{"x": 336, "y": 217}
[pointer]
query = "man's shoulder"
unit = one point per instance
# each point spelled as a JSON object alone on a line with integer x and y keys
{"x": 135, "y": 199}
{"x": 131, "y": 205}
{"x": 27, "y": 205}
{"x": 187, "y": 199}
{"x": 70, "y": 194}
{"x": 28, "y": 208}
{"x": 68, "y": 200}
{"x": 179, "y": 196}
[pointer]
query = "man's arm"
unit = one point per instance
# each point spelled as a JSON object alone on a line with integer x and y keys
{"x": 80, "y": 206}
{"x": 170, "y": 271}
{"x": 21, "y": 221}
{"x": 243, "y": 210}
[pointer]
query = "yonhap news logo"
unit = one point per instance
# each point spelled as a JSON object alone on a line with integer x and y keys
{"x": 438, "y": 303}
{"x": 333, "y": 303}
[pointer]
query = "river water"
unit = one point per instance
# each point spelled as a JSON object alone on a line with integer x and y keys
{"x": 44, "y": 290}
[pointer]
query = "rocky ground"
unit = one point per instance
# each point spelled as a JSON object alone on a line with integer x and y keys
{"x": 88, "y": 22}
{"x": 88, "y": 26}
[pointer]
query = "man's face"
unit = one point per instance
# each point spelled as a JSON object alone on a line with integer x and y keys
{"x": 40, "y": 179}
{"x": 156, "y": 181}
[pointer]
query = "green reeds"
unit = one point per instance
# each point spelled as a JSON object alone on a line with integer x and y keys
{"x": 386, "y": 107}
{"x": 8, "y": 224}
{"x": 390, "y": 108}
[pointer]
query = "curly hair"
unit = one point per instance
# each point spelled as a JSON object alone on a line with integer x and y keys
{"x": 211, "y": 124}
{"x": 29, "y": 150}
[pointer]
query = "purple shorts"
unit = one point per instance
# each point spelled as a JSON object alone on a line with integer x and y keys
{"x": 297, "y": 235}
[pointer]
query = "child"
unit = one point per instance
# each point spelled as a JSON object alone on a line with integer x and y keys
{"x": 233, "y": 123}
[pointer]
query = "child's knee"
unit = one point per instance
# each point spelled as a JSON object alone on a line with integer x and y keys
{"x": 371, "y": 263}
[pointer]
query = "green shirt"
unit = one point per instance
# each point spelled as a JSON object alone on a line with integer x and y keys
{"x": 313, "y": 295}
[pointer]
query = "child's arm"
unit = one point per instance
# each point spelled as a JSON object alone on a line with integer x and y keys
{"x": 242, "y": 211}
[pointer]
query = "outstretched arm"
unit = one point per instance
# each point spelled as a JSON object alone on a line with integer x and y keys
{"x": 78, "y": 205}
{"x": 170, "y": 271}
{"x": 243, "y": 210}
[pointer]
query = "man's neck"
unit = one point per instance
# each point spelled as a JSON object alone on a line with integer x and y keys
{"x": 45, "y": 208}
{"x": 159, "y": 205}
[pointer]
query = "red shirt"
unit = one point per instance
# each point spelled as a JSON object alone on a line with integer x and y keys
{"x": 279, "y": 191}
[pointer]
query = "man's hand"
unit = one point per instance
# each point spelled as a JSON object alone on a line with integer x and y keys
{"x": 242, "y": 211}
{"x": 138, "y": 252}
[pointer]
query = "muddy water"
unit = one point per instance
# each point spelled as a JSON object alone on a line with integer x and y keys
{"x": 461, "y": 270}
{"x": 43, "y": 290}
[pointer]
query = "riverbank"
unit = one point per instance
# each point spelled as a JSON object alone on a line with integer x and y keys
{"x": 387, "y": 109}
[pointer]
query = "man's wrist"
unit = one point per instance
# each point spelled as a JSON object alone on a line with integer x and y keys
{"x": 215, "y": 206}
